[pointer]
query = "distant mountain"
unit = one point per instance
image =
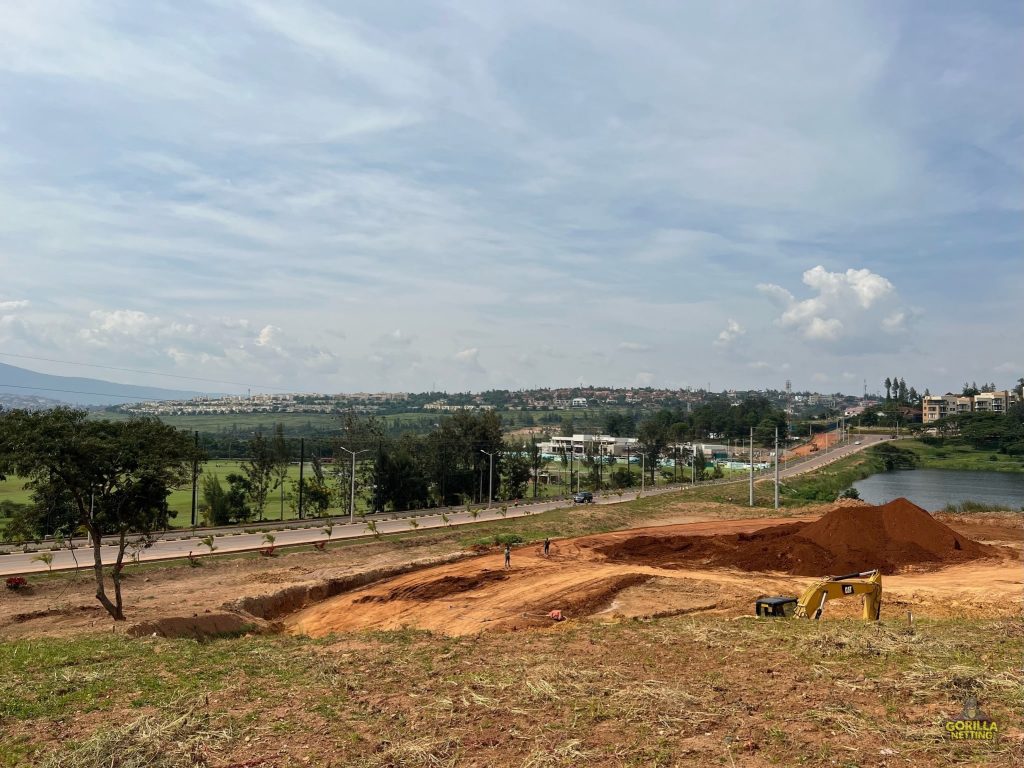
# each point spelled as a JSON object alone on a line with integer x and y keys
{"x": 27, "y": 402}
{"x": 70, "y": 390}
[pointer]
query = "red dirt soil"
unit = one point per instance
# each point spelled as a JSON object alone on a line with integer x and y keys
{"x": 847, "y": 539}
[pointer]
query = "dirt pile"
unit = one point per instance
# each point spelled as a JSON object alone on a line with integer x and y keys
{"x": 845, "y": 540}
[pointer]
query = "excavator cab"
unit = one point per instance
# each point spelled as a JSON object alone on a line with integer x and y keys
{"x": 779, "y": 607}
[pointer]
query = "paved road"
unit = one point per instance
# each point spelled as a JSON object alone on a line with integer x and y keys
{"x": 177, "y": 544}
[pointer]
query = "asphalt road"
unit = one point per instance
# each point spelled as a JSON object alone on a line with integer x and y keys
{"x": 177, "y": 544}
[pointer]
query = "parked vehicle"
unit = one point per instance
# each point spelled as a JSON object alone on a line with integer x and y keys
{"x": 583, "y": 497}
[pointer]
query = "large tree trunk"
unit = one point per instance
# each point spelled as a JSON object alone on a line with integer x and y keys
{"x": 97, "y": 568}
{"x": 116, "y": 575}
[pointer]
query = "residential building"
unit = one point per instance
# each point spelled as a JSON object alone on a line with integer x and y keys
{"x": 935, "y": 407}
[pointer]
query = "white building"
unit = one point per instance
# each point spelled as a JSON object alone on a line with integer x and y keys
{"x": 590, "y": 445}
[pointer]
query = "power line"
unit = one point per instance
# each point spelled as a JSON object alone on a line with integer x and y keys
{"x": 137, "y": 370}
{"x": 133, "y": 398}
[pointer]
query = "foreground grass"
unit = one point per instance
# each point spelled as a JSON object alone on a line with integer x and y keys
{"x": 676, "y": 691}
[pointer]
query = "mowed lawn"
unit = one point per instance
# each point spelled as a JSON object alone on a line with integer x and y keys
{"x": 180, "y": 500}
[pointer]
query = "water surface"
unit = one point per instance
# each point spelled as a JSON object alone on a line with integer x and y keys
{"x": 933, "y": 489}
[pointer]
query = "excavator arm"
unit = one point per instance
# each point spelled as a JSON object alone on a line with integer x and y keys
{"x": 868, "y": 584}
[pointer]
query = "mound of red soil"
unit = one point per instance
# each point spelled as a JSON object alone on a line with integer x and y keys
{"x": 846, "y": 540}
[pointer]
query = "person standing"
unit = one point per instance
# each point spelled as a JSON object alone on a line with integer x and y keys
{"x": 508, "y": 556}
{"x": 547, "y": 546}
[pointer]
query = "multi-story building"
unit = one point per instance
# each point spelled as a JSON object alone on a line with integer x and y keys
{"x": 589, "y": 445}
{"x": 935, "y": 407}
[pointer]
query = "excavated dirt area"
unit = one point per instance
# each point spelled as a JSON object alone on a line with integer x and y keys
{"x": 719, "y": 567}
{"x": 846, "y": 540}
{"x": 429, "y": 583}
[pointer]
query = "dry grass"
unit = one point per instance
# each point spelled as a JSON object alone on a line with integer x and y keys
{"x": 167, "y": 740}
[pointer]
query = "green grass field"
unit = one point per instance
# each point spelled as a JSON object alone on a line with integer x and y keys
{"x": 963, "y": 457}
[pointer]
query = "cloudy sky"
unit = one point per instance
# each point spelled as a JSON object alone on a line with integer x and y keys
{"x": 381, "y": 194}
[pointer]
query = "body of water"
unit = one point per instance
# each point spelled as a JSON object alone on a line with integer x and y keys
{"x": 933, "y": 489}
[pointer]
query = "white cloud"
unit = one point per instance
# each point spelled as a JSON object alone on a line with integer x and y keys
{"x": 10, "y": 306}
{"x": 732, "y": 331}
{"x": 270, "y": 337}
{"x": 854, "y": 304}
{"x": 507, "y": 175}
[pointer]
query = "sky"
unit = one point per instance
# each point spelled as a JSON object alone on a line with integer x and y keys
{"x": 472, "y": 194}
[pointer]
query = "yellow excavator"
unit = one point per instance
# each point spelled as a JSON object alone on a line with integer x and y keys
{"x": 812, "y": 602}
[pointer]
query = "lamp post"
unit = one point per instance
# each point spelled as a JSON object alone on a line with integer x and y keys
{"x": 490, "y": 484}
{"x": 751, "y": 466}
{"x": 643, "y": 472}
{"x": 352, "y": 490}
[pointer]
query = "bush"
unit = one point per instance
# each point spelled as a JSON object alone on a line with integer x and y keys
{"x": 16, "y": 582}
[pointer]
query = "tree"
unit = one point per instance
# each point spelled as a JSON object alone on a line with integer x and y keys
{"x": 653, "y": 437}
{"x": 699, "y": 462}
{"x": 400, "y": 479}
{"x": 888, "y": 387}
{"x": 259, "y": 471}
{"x": 901, "y": 394}
{"x": 117, "y": 475}
{"x": 536, "y": 460}
{"x": 230, "y": 506}
{"x": 621, "y": 477}
{"x": 516, "y": 465}
{"x": 280, "y": 459}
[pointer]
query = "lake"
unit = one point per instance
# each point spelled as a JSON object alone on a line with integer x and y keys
{"x": 933, "y": 489}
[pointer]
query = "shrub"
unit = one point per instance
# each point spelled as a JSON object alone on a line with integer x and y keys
{"x": 16, "y": 582}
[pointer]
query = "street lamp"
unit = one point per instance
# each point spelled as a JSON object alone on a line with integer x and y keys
{"x": 490, "y": 483}
{"x": 643, "y": 472}
{"x": 352, "y": 491}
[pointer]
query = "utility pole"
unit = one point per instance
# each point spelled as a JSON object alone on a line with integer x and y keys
{"x": 751, "y": 466}
{"x": 490, "y": 484}
{"x": 776, "y": 467}
{"x": 643, "y": 472}
{"x": 195, "y": 481}
{"x": 352, "y": 487}
{"x": 302, "y": 466}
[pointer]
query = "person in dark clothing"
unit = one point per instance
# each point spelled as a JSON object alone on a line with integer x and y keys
{"x": 547, "y": 546}
{"x": 508, "y": 555}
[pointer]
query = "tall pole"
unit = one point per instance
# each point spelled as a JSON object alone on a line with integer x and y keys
{"x": 302, "y": 466}
{"x": 751, "y": 466}
{"x": 195, "y": 480}
{"x": 490, "y": 483}
{"x": 352, "y": 482}
{"x": 643, "y": 472}
{"x": 352, "y": 491}
{"x": 776, "y": 467}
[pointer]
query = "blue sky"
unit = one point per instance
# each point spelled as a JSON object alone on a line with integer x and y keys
{"x": 467, "y": 195}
